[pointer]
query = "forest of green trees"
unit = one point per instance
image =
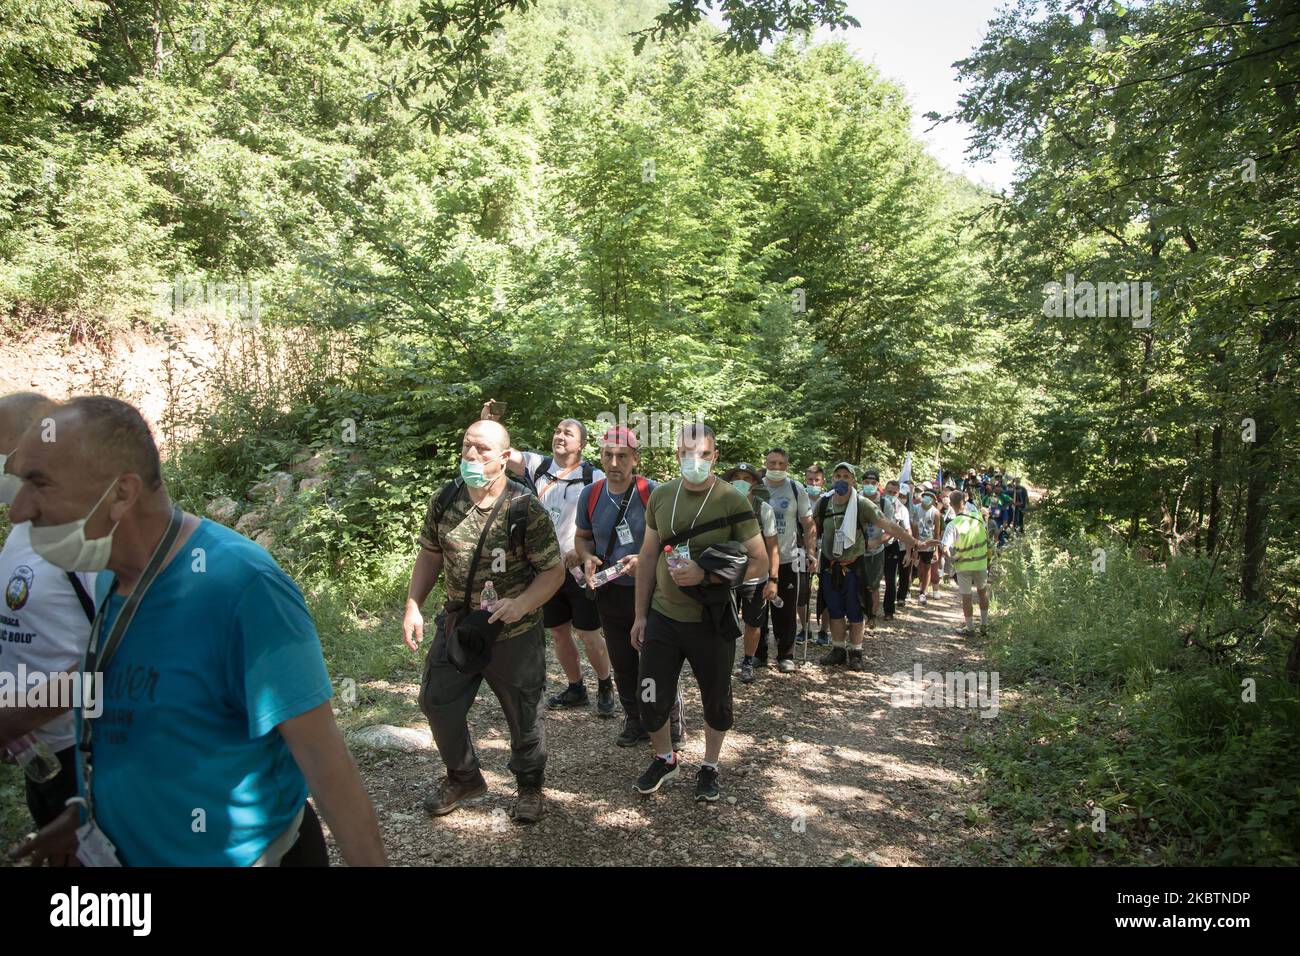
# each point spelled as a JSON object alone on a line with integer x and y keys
{"x": 572, "y": 205}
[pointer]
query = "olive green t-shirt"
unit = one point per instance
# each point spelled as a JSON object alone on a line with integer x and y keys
{"x": 456, "y": 536}
{"x": 673, "y": 508}
{"x": 868, "y": 514}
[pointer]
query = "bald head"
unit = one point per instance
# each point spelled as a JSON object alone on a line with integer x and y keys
{"x": 19, "y": 411}
{"x": 490, "y": 434}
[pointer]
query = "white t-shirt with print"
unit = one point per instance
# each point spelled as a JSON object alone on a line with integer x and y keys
{"x": 43, "y": 625}
{"x": 789, "y": 498}
{"x": 559, "y": 498}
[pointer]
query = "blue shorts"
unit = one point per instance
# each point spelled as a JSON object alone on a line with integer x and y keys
{"x": 843, "y": 602}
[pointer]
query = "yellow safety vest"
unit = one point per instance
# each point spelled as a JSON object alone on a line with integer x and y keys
{"x": 971, "y": 550}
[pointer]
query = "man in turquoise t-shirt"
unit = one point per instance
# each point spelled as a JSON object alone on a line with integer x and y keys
{"x": 215, "y": 715}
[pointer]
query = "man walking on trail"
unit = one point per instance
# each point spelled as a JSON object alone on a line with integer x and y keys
{"x": 559, "y": 479}
{"x": 480, "y": 528}
{"x": 673, "y": 625}
{"x": 814, "y": 480}
{"x": 213, "y": 703}
{"x": 874, "y": 565}
{"x": 966, "y": 541}
{"x": 44, "y": 629}
{"x": 610, "y": 532}
{"x": 927, "y": 531}
{"x": 757, "y": 591}
{"x": 792, "y": 510}
{"x": 895, "y": 554}
{"x": 840, "y": 522}
{"x": 1020, "y": 501}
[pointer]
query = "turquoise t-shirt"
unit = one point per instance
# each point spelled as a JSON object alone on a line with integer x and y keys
{"x": 188, "y": 767}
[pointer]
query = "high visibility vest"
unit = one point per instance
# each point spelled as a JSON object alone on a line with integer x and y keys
{"x": 971, "y": 550}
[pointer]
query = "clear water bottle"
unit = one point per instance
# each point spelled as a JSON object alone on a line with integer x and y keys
{"x": 777, "y": 601}
{"x": 488, "y": 597}
{"x": 608, "y": 574}
{"x": 670, "y": 556}
{"x": 36, "y": 759}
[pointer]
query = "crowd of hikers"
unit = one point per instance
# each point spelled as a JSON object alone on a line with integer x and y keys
{"x": 209, "y": 723}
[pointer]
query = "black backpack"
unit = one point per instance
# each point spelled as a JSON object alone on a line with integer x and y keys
{"x": 530, "y": 481}
{"x": 516, "y": 511}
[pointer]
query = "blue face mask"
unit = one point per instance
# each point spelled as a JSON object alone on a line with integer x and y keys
{"x": 888, "y": 499}
{"x": 869, "y": 489}
{"x": 741, "y": 485}
{"x": 841, "y": 488}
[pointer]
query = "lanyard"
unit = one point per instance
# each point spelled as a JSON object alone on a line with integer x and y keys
{"x": 672, "y": 522}
{"x": 96, "y": 662}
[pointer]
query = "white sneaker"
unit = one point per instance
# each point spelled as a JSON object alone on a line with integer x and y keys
{"x": 923, "y": 602}
{"x": 787, "y": 666}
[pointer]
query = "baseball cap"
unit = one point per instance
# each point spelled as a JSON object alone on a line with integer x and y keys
{"x": 620, "y": 435}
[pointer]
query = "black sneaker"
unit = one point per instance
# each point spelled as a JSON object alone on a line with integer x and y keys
{"x": 570, "y": 697}
{"x": 706, "y": 785}
{"x": 655, "y": 775}
{"x": 747, "y": 672}
{"x": 823, "y": 638}
{"x": 605, "y": 698}
{"x": 632, "y": 734}
{"x": 856, "y": 663}
{"x": 836, "y": 656}
{"x": 451, "y": 794}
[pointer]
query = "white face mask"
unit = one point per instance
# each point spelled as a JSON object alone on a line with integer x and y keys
{"x": 66, "y": 546}
{"x": 9, "y": 484}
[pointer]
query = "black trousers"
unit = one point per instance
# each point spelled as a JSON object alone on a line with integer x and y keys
{"x": 310, "y": 849}
{"x": 517, "y": 675}
{"x": 668, "y": 644}
{"x": 893, "y": 574}
{"x": 792, "y": 588}
{"x": 616, "y": 605}
{"x": 46, "y": 801}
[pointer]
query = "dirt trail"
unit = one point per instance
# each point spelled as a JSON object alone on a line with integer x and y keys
{"x": 822, "y": 769}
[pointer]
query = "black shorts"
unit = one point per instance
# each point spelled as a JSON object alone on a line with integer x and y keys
{"x": 667, "y": 644}
{"x": 925, "y": 556}
{"x": 570, "y": 603}
{"x": 753, "y": 609}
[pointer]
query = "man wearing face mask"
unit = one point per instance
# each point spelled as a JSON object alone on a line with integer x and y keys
{"x": 558, "y": 480}
{"x": 793, "y": 513}
{"x": 694, "y": 511}
{"x": 214, "y": 698}
{"x": 814, "y": 484}
{"x": 895, "y": 554}
{"x": 44, "y": 625}
{"x": 841, "y": 521}
{"x": 874, "y": 565}
{"x": 926, "y": 524}
{"x": 759, "y": 590}
{"x": 474, "y": 517}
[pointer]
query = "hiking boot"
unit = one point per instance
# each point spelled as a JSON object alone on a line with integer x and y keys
{"x": 451, "y": 794}
{"x": 655, "y": 775}
{"x": 706, "y": 786}
{"x": 747, "y": 672}
{"x": 856, "y": 663}
{"x": 786, "y": 665}
{"x": 605, "y": 698}
{"x": 759, "y": 662}
{"x": 528, "y": 806}
{"x": 571, "y": 696}
{"x": 837, "y": 655}
{"x": 823, "y": 638}
{"x": 966, "y": 630}
{"x": 632, "y": 734}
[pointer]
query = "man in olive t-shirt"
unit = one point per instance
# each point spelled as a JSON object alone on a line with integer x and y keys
{"x": 672, "y": 627}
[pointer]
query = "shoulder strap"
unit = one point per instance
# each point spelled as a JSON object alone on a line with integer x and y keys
{"x": 87, "y": 604}
{"x": 588, "y": 471}
{"x": 593, "y": 498}
{"x": 445, "y": 498}
{"x": 517, "y": 517}
{"x": 618, "y": 519}
{"x": 822, "y": 504}
{"x": 724, "y": 522}
{"x": 478, "y": 548}
{"x": 542, "y": 469}
{"x": 643, "y": 489}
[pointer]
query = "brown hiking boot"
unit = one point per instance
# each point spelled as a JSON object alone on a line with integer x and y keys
{"x": 528, "y": 805}
{"x": 451, "y": 793}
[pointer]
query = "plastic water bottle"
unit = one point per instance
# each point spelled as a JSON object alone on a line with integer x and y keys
{"x": 488, "y": 597}
{"x": 673, "y": 561}
{"x": 608, "y": 574}
{"x": 36, "y": 759}
{"x": 776, "y": 601}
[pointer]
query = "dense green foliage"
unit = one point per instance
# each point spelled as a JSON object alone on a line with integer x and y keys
{"x": 1187, "y": 745}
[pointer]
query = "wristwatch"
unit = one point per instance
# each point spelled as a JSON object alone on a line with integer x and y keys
{"x": 774, "y": 580}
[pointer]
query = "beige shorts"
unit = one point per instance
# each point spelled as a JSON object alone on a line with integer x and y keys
{"x": 966, "y": 580}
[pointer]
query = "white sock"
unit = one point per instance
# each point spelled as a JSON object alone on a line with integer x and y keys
{"x": 667, "y": 758}
{"x": 835, "y": 643}
{"x": 711, "y": 766}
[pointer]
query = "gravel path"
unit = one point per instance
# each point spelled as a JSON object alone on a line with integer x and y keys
{"x": 820, "y": 769}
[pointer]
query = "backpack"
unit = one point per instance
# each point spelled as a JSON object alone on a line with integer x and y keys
{"x": 593, "y": 497}
{"x": 530, "y": 481}
{"x": 516, "y": 511}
